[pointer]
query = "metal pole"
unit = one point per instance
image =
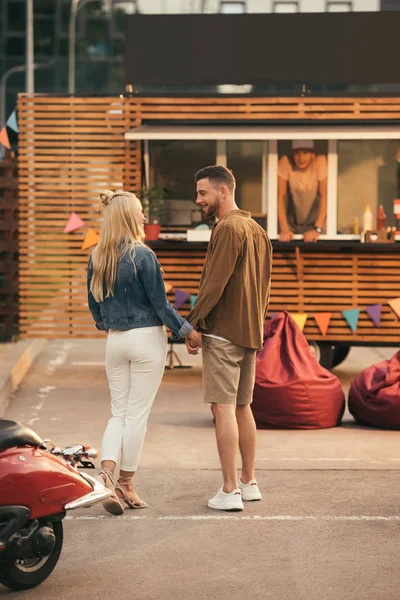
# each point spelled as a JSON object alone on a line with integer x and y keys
{"x": 71, "y": 49}
{"x": 76, "y": 5}
{"x": 30, "y": 82}
{"x": 3, "y": 87}
{"x": 4, "y": 80}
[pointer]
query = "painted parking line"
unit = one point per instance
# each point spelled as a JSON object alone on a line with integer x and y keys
{"x": 316, "y": 518}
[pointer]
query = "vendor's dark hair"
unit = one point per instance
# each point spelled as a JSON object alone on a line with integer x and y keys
{"x": 217, "y": 174}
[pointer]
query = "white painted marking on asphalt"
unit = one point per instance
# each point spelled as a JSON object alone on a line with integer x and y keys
{"x": 311, "y": 459}
{"x": 60, "y": 358}
{"x": 332, "y": 518}
{"x": 87, "y": 363}
{"x": 43, "y": 393}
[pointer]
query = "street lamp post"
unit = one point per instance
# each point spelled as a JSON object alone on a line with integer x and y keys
{"x": 30, "y": 82}
{"x": 3, "y": 85}
{"x": 76, "y": 5}
{"x": 71, "y": 48}
{"x": 4, "y": 80}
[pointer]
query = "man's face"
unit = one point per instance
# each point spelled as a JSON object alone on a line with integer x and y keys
{"x": 208, "y": 198}
{"x": 303, "y": 158}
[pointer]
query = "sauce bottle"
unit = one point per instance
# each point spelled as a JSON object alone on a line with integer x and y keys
{"x": 367, "y": 220}
{"x": 380, "y": 218}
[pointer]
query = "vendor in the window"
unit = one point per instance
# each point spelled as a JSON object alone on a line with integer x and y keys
{"x": 302, "y": 192}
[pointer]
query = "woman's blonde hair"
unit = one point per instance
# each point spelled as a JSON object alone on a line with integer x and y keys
{"x": 120, "y": 232}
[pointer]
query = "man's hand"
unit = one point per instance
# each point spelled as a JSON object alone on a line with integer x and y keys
{"x": 286, "y": 236}
{"x": 311, "y": 236}
{"x": 193, "y": 342}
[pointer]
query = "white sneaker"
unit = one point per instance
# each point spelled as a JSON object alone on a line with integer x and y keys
{"x": 223, "y": 501}
{"x": 250, "y": 491}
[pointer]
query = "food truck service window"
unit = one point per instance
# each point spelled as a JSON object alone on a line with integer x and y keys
{"x": 173, "y": 164}
{"x": 368, "y": 176}
{"x": 302, "y": 188}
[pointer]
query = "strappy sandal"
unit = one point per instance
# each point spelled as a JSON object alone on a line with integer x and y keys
{"x": 112, "y": 503}
{"x": 122, "y": 484}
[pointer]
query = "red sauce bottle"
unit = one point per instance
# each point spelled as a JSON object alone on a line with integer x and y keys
{"x": 380, "y": 218}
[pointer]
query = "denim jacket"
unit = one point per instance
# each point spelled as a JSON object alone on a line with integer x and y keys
{"x": 139, "y": 298}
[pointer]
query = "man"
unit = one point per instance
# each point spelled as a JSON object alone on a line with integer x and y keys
{"x": 302, "y": 189}
{"x": 230, "y": 311}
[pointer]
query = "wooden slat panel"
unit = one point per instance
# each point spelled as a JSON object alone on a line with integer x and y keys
{"x": 247, "y": 109}
{"x": 70, "y": 149}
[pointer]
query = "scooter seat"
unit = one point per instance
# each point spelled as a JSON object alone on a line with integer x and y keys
{"x": 15, "y": 434}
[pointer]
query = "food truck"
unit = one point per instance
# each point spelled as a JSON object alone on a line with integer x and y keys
{"x": 343, "y": 288}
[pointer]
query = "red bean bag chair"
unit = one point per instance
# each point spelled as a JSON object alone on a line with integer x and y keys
{"x": 292, "y": 390}
{"x": 374, "y": 397}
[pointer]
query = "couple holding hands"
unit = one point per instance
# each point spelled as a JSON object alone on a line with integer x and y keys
{"x": 126, "y": 296}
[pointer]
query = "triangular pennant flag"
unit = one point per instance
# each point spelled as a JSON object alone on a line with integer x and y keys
{"x": 12, "y": 122}
{"x": 4, "y": 138}
{"x": 192, "y": 300}
{"x": 323, "y": 320}
{"x": 180, "y": 298}
{"x": 90, "y": 240}
{"x": 351, "y": 317}
{"x": 375, "y": 311}
{"x": 168, "y": 287}
{"x": 395, "y": 305}
{"x": 75, "y": 222}
{"x": 300, "y": 319}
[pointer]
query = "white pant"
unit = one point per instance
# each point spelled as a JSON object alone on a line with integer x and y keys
{"x": 135, "y": 361}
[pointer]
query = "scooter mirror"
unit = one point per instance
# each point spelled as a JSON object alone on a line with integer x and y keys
{"x": 92, "y": 453}
{"x": 72, "y": 450}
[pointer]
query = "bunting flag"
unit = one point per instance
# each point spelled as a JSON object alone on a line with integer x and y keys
{"x": 90, "y": 240}
{"x": 395, "y": 305}
{"x": 323, "y": 320}
{"x": 374, "y": 311}
{"x": 351, "y": 317}
{"x": 300, "y": 319}
{"x": 12, "y": 122}
{"x": 168, "y": 287}
{"x": 192, "y": 300}
{"x": 4, "y": 138}
{"x": 180, "y": 298}
{"x": 74, "y": 223}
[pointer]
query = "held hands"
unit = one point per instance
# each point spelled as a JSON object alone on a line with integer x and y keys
{"x": 311, "y": 236}
{"x": 193, "y": 342}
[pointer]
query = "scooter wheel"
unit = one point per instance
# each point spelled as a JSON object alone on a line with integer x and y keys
{"x": 24, "y": 574}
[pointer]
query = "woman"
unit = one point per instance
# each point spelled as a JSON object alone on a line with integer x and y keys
{"x": 127, "y": 299}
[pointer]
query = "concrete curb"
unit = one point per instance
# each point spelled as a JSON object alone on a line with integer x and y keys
{"x": 16, "y": 362}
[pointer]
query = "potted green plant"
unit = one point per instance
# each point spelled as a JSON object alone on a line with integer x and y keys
{"x": 152, "y": 201}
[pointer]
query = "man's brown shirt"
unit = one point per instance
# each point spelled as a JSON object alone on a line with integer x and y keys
{"x": 235, "y": 283}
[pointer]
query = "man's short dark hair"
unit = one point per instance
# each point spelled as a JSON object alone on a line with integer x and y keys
{"x": 217, "y": 175}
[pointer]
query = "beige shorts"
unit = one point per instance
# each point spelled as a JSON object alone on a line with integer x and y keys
{"x": 228, "y": 372}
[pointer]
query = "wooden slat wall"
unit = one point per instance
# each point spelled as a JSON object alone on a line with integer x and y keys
{"x": 249, "y": 109}
{"x": 333, "y": 282}
{"x": 69, "y": 150}
{"x": 316, "y": 282}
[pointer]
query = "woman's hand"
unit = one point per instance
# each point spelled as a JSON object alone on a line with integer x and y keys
{"x": 193, "y": 342}
{"x": 286, "y": 236}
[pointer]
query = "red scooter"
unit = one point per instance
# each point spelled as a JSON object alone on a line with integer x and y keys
{"x": 38, "y": 484}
